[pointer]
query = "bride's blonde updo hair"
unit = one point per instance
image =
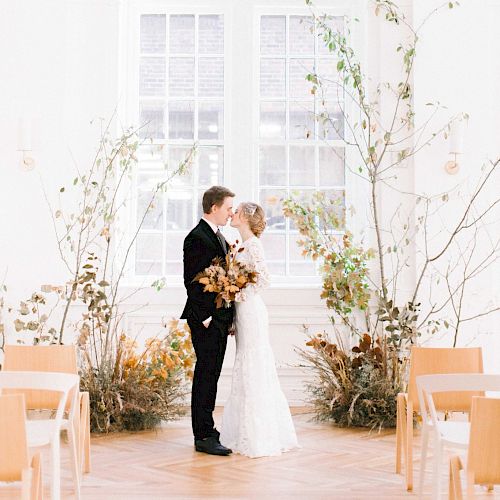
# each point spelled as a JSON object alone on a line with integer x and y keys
{"x": 255, "y": 216}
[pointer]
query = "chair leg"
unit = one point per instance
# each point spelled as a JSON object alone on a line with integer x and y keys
{"x": 438, "y": 457}
{"x": 84, "y": 451}
{"x": 36, "y": 483}
{"x": 75, "y": 463}
{"x": 26, "y": 483}
{"x": 423, "y": 460}
{"x": 400, "y": 407}
{"x": 470, "y": 484}
{"x": 55, "y": 459}
{"x": 409, "y": 446}
{"x": 455, "y": 487}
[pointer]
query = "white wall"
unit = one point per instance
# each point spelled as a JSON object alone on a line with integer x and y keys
{"x": 59, "y": 71}
{"x": 458, "y": 65}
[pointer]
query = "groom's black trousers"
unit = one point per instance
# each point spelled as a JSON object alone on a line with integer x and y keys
{"x": 210, "y": 346}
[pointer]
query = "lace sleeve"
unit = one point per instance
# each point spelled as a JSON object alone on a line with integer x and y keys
{"x": 256, "y": 260}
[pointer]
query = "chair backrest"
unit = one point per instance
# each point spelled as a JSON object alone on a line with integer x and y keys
{"x": 434, "y": 360}
{"x": 13, "y": 446}
{"x": 51, "y": 358}
{"x": 64, "y": 384}
{"x": 458, "y": 384}
{"x": 483, "y": 462}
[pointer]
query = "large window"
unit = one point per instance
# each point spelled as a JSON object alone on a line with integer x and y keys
{"x": 298, "y": 153}
{"x": 234, "y": 83}
{"x": 181, "y": 101}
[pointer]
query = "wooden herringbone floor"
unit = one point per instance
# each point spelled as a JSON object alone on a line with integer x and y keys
{"x": 333, "y": 463}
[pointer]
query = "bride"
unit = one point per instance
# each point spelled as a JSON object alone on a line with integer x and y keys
{"x": 256, "y": 420}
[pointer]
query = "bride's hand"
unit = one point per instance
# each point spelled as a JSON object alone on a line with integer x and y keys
{"x": 232, "y": 330}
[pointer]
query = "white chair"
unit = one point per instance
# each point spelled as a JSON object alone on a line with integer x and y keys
{"x": 53, "y": 358}
{"x": 429, "y": 361}
{"x": 445, "y": 432}
{"x": 47, "y": 431}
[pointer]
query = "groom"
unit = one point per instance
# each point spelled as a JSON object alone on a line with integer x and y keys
{"x": 209, "y": 326}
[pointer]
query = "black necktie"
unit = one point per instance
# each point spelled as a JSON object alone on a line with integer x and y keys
{"x": 222, "y": 240}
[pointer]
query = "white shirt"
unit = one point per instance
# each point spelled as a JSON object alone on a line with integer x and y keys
{"x": 214, "y": 227}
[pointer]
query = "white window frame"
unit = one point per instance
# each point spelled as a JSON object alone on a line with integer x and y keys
{"x": 352, "y": 184}
{"x": 241, "y": 144}
{"x": 130, "y": 102}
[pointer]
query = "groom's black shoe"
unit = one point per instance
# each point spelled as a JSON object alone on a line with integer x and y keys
{"x": 211, "y": 446}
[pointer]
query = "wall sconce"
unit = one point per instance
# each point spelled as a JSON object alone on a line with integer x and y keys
{"x": 456, "y": 138}
{"x": 25, "y": 145}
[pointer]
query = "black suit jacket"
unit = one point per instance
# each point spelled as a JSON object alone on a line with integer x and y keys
{"x": 201, "y": 246}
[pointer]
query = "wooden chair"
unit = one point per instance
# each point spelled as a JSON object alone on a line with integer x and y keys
{"x": 54, "y": 358}
{"x": 442, "y": 431}
{"x": 61, "y": 391}
{"x": 14, "y": 462}
{"x": 483, "y": 458}
{"x": 428, "y": 361}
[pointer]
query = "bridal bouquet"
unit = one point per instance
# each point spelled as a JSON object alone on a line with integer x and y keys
{"x": 226, "y": 277}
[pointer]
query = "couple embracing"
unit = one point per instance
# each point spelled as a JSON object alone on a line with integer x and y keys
{"x": 256, "y": 420}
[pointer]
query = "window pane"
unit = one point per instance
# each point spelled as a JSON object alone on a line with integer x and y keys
{"x": 272, "y": 119}
{"x": 181, "y": 120}
{"x": 177, "y": 155}
{"x": 151, "y": 120}
{"x": 181, "y": 39}
{"x": 299, "y": 265}
{"x": 329, "y": 76}
{"x": 331, "y": 122}
{"x": 299, "y": 86}
{"x": 148, "y": 181}
{"x": 275, "y": 250}
{"x": 153, "y": 33}
{"x": 272, "y": 202}
{"x": 337, "y": 24}
{"x": 272, "y": 78}
{"x": 151, "y": 156}
{"x": 210, "y": 166}
{"x": 174, "y": 268}
{"x": 211, "y": 35}
{"x": 179, "y": 209}
{"x": 181, "y": 76}
{"x": 199, "y": 207}
{"x": 211, "y": 120}
{"x": 302, "y": 166}
{"x": 147, "y": 268}
{"x": 154, "y": 215}
{"x": 272, "y": 166}
{"x": 301, "y": 37}
{"x": 149, "y": 248}
{"x": 336, "y": 197}
{"x": 303, "y": 196}
{"x": 272, "y": 35}
{"x": 301, "y": 120}
{"x": 331, "y": 166}
{"x": 211, "y": 77}
{"x": 152, "y": 76}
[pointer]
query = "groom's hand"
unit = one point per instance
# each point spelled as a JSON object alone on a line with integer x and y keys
{"x": 232, "y": 329}
{"x": 206, "y": 323}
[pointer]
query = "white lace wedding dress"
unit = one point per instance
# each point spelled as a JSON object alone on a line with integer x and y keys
{"x": 256, "y": 420}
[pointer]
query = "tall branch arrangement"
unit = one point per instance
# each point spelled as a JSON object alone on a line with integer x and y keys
{"x": 362, "y": 285}
{"x": 128, "y": 389}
